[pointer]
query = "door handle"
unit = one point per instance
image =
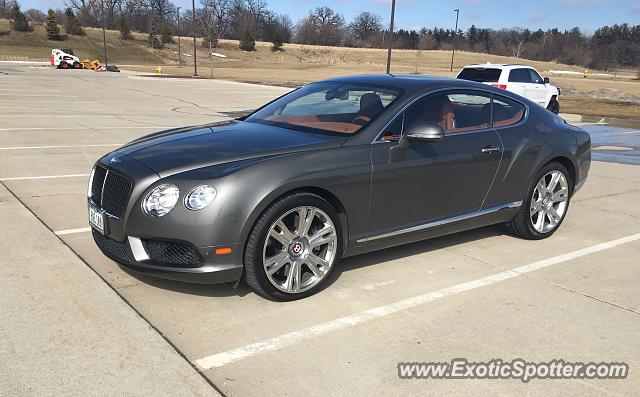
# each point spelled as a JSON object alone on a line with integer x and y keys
{"x": 490, "y": 149}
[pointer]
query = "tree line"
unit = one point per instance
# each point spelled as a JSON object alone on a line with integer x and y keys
{"x": 610, "y": 47}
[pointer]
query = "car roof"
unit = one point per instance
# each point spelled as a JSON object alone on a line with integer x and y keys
{"x": 498, "y": 66}
{"x": 408, "y": 82}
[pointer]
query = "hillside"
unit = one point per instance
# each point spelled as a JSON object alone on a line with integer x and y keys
{"x": 299, "y": 64}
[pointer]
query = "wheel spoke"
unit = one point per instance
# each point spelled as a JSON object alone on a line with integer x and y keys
{"x": 293, "y": 278}
{"x": 323, "y": 236}
{"x": 535, "y": 208}
{"x": 541, "y": 188}
{"x": 315, "y": 261}
{"x": 559, "y": 196}
{"x": 274, "y": 263}
{"x": 553, "y": 216}
{"x": 539, "y": 225}
{"x": 305, "y": 218}
{"x": 284, "y": 236}
{"x": 555, "y": 177}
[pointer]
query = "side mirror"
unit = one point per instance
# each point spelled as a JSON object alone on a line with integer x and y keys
{"x": 427, "y": 132}
{"x": 546, "y": 80}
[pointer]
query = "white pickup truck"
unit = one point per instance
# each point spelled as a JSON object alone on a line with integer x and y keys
{"x": 520, "y": 79}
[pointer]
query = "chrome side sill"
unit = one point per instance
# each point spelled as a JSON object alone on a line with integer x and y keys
{"x": 514, "y": 204}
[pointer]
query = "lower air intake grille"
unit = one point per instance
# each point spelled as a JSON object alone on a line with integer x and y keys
{"x": 171, "y": 254}
{"x": 116, "y": 250}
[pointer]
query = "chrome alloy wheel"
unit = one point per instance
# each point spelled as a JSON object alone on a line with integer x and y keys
{"x": 299, "y": 249}
{"x": 549, "y": 201}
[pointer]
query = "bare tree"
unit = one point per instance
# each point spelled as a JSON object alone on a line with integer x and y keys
{"x": 365, "y": 27}
{"x": 323, "y": 26}
{"x": 213, "y": 18}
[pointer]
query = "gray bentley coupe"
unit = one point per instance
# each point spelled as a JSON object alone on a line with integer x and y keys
{"x": 334, "y": 169}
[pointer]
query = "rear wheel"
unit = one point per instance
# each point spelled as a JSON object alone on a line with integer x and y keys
{"x": 63, "y": 65}
{"x": 293, "y": 247}
{"x": 545, "y": 205}
{"x": 554, "y": 105}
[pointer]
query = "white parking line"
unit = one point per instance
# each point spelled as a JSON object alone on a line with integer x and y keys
{"x": 25, "y": 178}
{"x": 65, "y": 116}
{"x": 59, "y": 146}
{"x": 72, "y": 231}
{"x": 34, "y": 95}
{"x": 23, "y": 90}
{"x": 279, "y": 342}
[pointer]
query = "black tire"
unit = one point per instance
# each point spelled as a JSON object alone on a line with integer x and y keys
{"x": 77, "y": 65}
{"x": 64, "y": 65}
{"x": 521, "y": 225}
{"x": 554, "y": 105}
{"x": 254, "y": 272}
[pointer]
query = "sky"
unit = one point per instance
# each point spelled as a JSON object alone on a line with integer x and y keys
{"x": 412, "y": 14}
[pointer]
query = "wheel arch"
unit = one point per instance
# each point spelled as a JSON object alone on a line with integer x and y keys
{"x": 326, "y": 194}
{"x": 567, "y": 163}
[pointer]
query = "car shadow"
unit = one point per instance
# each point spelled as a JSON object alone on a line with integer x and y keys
{"x": 349, "y": 264}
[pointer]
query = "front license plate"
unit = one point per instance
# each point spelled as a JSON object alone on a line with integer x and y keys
{"x": 96, "y": 219}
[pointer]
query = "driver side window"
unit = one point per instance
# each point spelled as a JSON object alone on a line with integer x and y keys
{"x": 458, "y": 111}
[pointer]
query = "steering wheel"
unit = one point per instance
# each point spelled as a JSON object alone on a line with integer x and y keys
{"x": 360, "y": 120}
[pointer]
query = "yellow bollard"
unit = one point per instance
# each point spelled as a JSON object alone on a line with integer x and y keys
{"x": 585, "y": 74}
{"x": 159, "y": 71}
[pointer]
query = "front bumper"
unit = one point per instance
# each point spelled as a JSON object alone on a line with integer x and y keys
{"x": 200, "y": 265}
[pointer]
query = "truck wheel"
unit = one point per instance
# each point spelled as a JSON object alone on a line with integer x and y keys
{"x": 77, "y": 65}
{"x": 64, "y": 65}
{"x": 554, "y": 105}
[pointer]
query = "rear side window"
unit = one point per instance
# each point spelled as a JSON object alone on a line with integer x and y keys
{"x": 506, "y": 112}
{"x": 519, "y": 76}
{"x": 481, "y": 75}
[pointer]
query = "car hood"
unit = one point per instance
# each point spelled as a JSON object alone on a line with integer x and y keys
{"x": 177, "y": 150}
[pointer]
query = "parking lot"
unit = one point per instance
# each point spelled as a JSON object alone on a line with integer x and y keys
{"x": 478, "y": 295}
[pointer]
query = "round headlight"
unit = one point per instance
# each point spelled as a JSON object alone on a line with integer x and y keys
{"x": 161, "y": 200}
{"x": 199, "y": 197}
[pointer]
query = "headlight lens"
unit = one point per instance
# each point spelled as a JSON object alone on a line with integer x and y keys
{"x": 161, "y": 200}
{"x": 199, "y": 197}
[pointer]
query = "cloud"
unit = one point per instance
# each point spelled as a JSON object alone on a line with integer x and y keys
{"x": 539, "y": 17}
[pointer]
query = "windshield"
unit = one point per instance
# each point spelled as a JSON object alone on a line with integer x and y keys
{"x": 343, "y": 108}
{"x": 481, "y": 75}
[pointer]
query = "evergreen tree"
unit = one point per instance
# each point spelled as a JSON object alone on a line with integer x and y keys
{"x": 152, "y": 40}
{"x": 247, "y": 42}
{"x": 166, "y": 35}
{"x": 276, "y": 42}
{"x": 53, "y": 31}
{"x": 18, "y": 19}
{"x": 71, "y": 23}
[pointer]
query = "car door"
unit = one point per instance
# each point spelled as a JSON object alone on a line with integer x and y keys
{"x": 430, "y": 181}
{"x": 519, "y": 81}
{"x": 536, "y": 90}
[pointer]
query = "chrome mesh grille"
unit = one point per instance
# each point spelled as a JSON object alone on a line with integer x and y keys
{"x": 110, "y": 191}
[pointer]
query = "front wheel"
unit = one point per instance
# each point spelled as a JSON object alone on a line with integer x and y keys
{"x": 293, "y": 247}
{"x": 554, "y": 105}
{"x": 545, "y": 205}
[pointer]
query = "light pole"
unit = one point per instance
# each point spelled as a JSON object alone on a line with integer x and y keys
{"x": 195, "y": 57}
{"x": 179, "y": 55}
{"x": 104, "y": 35}
{"x": 390, "y": 41}
{"x": 453, "y": 54}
